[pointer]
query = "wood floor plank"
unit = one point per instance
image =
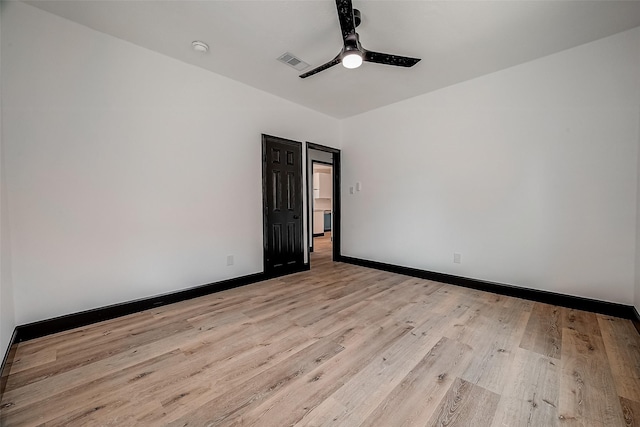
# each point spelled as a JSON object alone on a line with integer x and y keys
{"x": 290, "y": 406}
{"x": 587, "y": 388}
{"x": 93, "y": 353}
{"x": 543, "y": 333}
{"x": 227, "y": 407}
{"x": 369, "y": 387}
{"x": 530, "y": 397}
{"x": 495, "y": 351}
{"x": 31, "y": 360}
{"x": 89, "y": 395}
{"x": 465, "y": 404}
{"x": 631, "y": 412}
{"x": 339, "y": 345}
{"x": 580, "y": 321}
{"x": 212, "y": 378}
{"x": 623, "y": 351}
{"x": 414, "y": 400}
{"x": 334, "y": 306}
{"x": 231, "y": 341}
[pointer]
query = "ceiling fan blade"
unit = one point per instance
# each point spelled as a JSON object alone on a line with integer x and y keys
{"x": 345, "y": 16}
{"x": 323, "y": 67}
{"x": 385, "y": 58}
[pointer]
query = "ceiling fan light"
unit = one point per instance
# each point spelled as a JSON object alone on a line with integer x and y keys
{"x": 352, "y": 60}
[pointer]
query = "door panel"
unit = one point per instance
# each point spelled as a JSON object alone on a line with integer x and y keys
{"x": 282, "y": 180}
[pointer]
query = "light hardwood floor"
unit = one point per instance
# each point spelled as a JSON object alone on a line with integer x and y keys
{"x": 340, "y": 346}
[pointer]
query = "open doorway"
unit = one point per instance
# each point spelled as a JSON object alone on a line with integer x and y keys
{"x": 322, "y": 208}
{"x": 323, "y": 165}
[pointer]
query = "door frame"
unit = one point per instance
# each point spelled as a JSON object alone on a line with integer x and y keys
{"x": 265, "y": 223}
{"x": 335, "y": 201}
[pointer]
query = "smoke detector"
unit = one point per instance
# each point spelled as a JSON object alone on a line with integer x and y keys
{"x": 199, "y": 46}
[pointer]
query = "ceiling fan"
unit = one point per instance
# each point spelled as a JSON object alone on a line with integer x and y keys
{"x": 352, "y": 54}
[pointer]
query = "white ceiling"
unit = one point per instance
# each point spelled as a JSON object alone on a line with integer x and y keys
{"x": 457, "y": 40}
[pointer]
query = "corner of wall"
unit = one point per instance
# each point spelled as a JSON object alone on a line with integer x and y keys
{"x": 7, "y": 315}
{"x": 636, "y": 295}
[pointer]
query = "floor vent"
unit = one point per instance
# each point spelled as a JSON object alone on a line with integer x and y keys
{"x": 292, "y": 61}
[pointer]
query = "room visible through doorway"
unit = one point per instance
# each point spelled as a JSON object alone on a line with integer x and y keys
{"x": 323, "y": 165}
{"x": 322, "y": 203}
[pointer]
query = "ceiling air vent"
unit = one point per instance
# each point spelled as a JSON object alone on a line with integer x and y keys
{"x": 292, "y": 61}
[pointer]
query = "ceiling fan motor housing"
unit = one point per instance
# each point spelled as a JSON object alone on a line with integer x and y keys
{"x": 357, "y": 17}
{"x": 352, "y": 44}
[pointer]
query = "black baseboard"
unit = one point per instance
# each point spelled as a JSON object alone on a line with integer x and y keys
{"x": 579, "y": 303}
{"x": 636, "y": 319}
{"x": 8, "y": 361}
{"x": 84, "y": 318}
{"x": 272, "y": 275}
{"x": 318, "y": 234}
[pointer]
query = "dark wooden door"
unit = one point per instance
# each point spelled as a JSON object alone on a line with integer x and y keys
{"x": 282, "y": 203}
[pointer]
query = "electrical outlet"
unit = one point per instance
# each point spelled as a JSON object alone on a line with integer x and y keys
{"x": 457, "y": 258}
{"x": 229, "y": 259}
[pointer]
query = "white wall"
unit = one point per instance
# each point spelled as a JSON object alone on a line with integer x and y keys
{"x": 530, "y": 173}
{"x": 636, "y": 301}
{"x": 7, "y": 318}
{"x": 129, "y": 174}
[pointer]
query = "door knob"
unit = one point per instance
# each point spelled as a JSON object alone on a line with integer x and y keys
{"x": 296, "y": 217}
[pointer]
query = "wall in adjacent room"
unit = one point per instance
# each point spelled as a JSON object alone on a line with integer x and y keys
{"x": 529, "y": 173}
{"x": 129, "y": 174}
{"x": 321, "y": 156}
